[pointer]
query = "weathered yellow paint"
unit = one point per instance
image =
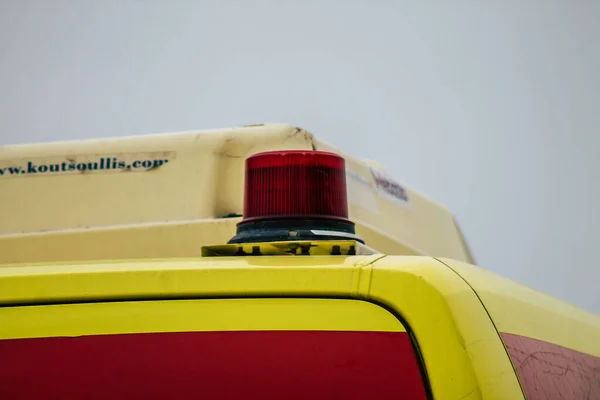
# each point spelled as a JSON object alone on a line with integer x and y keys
{"x": 67, "y": 320}
{"x": 205, "y": 277}
{"x": 520, "y": 310}
{"x": 148, "y": 241}
{"x": 174, "y": 209}
{"x": 461, "y": 350}
{"x": 289, "y": 248}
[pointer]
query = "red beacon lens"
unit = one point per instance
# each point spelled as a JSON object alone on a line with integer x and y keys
{"x": 295, "y": 184}
{"x": 295, "y": 195}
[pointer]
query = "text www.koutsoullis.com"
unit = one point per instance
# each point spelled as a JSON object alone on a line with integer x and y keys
{"x": 103, "y": 164}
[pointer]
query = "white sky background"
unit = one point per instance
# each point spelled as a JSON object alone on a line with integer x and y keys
{"x": 491, "y": 108}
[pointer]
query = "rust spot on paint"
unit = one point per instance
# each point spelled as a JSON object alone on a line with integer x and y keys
{"x": 549, "y": 371}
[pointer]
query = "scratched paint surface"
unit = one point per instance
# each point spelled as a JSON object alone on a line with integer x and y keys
{"x": 548, "y": 371}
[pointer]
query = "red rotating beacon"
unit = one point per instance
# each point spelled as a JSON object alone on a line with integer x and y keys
{"x": 295, "y": 195}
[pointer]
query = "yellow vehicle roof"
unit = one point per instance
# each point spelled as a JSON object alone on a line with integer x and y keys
{"x": 432, "y": 299}
{"x": 464, "y": 320}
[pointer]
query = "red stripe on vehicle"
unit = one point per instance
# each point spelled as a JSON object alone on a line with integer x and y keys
{"x": 548, "y": 371}
{"x": 213, "y": 365}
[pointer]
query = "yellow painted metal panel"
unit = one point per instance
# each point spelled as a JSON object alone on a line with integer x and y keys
{"x": 228, "y": 276}
{"x": 520, "y": 310}
{"x": 194, "y": 316}
{"x": 462, "y": 352}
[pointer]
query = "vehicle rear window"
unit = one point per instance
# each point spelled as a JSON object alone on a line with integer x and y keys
{"x": 213, "y": 365}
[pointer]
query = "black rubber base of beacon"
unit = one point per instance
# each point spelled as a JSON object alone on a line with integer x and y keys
{"x": 294, "y": 230}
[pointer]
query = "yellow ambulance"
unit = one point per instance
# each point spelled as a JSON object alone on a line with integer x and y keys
{"x": 258, "y": 262}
